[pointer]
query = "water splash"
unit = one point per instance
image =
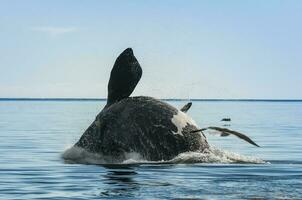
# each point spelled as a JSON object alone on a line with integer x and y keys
{"x": 215, "y": 155}
{"x": 212, "y": 155}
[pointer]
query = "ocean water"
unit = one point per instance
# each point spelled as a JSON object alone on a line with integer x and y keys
{"x": 35, "y": 135}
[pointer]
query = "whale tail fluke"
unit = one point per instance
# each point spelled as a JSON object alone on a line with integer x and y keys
{"x": 226, "y": 132}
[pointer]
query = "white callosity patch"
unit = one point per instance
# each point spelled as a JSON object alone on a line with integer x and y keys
{"x": 180, "y": 120}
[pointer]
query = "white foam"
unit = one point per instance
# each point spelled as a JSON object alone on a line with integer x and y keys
{"x": 180, "y": 120}
{"x": 213, "y": 155}
{"x": 76, "y": 154}
{"x": 133, "y": 157}
{"x": 80, "y": 155}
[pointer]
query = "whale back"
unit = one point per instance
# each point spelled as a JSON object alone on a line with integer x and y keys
{"x": 149, "y": 127}
{"x": 125, "y": 75}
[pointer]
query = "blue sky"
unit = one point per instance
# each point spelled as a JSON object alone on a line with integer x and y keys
{"x": 187, "y": 49}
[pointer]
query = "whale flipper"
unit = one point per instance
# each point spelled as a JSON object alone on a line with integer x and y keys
{"x": 125, "y": 75}
{"x": 186, "y": 107}
{"x": 226, "y": 132}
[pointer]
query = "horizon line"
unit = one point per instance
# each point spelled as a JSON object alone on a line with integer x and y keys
{"x": 164, "y": 99}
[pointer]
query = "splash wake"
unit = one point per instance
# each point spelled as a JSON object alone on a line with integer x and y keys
{"x": 213, "y": 155}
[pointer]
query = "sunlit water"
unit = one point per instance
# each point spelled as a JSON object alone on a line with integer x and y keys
{"x": 34, "y": 135}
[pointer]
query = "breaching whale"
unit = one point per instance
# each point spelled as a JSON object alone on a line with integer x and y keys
{"x": 144, "y": 125}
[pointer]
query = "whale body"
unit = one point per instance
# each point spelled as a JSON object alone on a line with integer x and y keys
{"x": 150, "y": 127}
{"x": 144, "y": 125}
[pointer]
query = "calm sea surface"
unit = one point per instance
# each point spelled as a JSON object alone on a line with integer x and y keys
{"x": 34, "y": 134}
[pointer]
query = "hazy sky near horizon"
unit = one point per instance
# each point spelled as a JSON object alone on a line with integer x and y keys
{"x": 187, "y": 49}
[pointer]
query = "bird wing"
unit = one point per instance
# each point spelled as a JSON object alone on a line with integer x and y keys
{"x": 226, "y": 132}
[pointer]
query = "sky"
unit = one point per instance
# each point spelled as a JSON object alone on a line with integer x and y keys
{"x": 187, "y": 49}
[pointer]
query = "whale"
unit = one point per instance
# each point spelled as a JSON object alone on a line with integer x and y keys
{"x": 149, "y": 127}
